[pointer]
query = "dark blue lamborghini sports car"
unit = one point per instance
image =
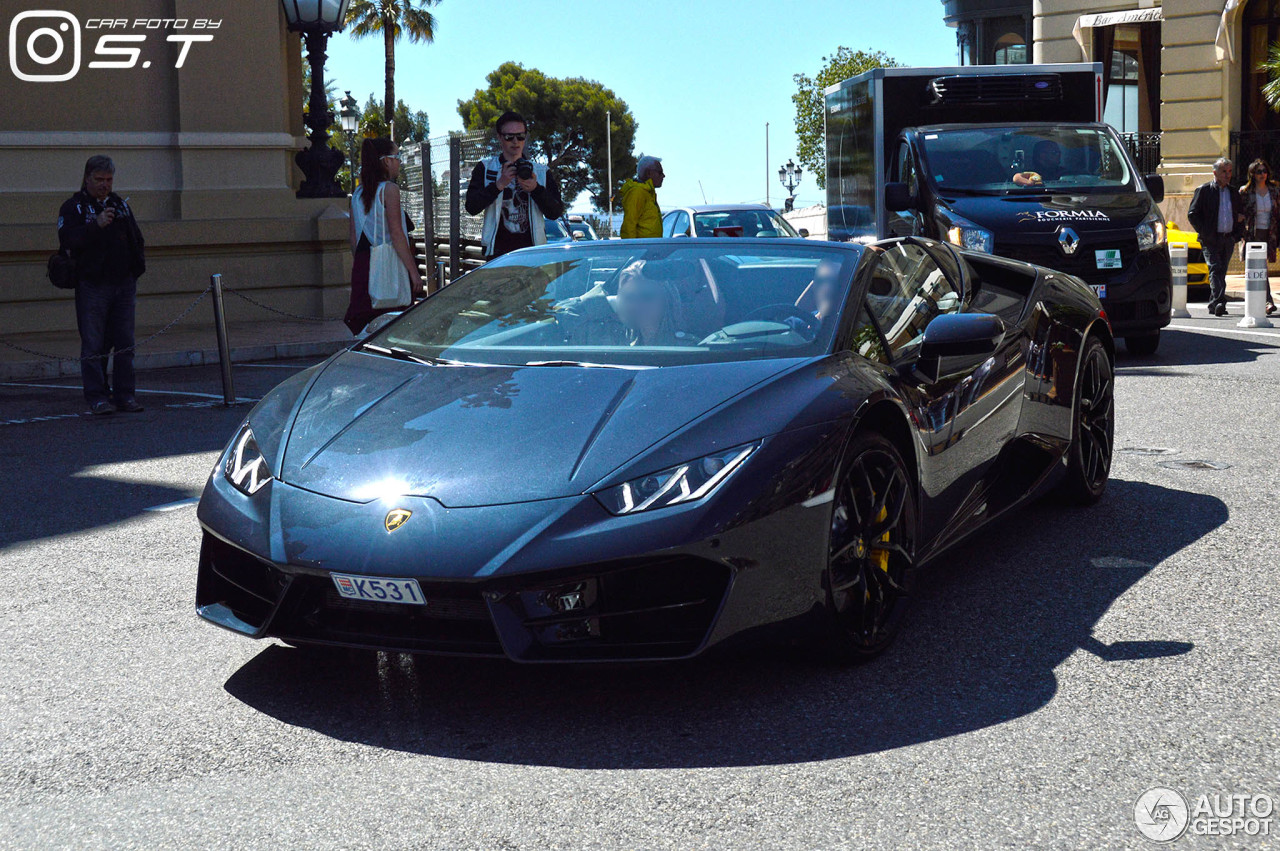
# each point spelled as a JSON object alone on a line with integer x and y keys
{"x": 640, "y": 450}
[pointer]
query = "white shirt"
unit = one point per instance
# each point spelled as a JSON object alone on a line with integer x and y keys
{"x": 1262, "y": 221}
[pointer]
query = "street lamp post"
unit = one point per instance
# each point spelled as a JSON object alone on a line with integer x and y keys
{"x": 317, "y": 20}
{"x": 350, "y": 118}
{"x": 789, "y": 177}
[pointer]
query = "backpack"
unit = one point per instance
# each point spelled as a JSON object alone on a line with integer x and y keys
{"x": 62, "y": 270}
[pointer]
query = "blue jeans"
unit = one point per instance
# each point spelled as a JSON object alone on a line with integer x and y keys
{"x": 1217, "y": 257}
{"x": 104, "y": 315}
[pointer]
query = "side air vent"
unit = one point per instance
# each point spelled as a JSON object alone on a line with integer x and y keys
{"x": 995, "y": 88}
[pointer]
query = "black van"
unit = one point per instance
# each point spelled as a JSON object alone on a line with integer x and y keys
{"x": 1052, "y": 187}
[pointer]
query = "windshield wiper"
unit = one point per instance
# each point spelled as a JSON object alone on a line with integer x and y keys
{"x": 406, "y": 355}
{"x": 583, "y": 364}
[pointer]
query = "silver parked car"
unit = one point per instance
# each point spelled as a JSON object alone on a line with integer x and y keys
{"x": 736, "y": 220}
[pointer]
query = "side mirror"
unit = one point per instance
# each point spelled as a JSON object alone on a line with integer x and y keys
{"x": 1155, "y": 185}
{"x": 898, "y": 197}
{"x": 955, "y": 342}
{"x": 804, "y": 233}
{"x": 577, "y": 235}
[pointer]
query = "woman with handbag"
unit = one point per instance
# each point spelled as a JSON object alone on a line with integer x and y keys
{"x": 384, "y": 274}
{"x": 1262, "y": 216}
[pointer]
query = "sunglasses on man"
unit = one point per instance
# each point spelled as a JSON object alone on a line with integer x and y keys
{"x": 515, "y": 137}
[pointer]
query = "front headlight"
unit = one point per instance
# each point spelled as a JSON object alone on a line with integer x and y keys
{"x": 245, "y": 467}
{"x": 1151, "y": 232}
{"x": 676, "y": 485}
{"x": 969, "y": 235}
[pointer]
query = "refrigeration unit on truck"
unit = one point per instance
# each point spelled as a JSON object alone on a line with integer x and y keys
{"x": 1011, "y": 160}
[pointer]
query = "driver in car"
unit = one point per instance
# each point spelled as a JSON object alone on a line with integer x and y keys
{"x": 822, "y": 296}
{"x": 1046, "y": 163}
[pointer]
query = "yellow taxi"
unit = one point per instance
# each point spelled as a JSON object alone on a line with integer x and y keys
{"x": 1197, "y": 269}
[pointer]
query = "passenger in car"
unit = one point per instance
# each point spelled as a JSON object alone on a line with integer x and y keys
{"x": 649, "y": 305}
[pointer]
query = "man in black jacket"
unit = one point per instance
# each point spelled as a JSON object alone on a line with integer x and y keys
{"x": 515, "y": 195}
{"x": 99, "y": 230}
{"x": 1217, "y": 215}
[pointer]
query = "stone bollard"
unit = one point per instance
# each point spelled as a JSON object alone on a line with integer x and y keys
{"x": 1178, "y": 265}
{"x": 1255, "y": 287}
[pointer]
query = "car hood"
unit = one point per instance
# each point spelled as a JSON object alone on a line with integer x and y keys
{"x": 1045, "y": 213}
{"x": 487, "y": 435}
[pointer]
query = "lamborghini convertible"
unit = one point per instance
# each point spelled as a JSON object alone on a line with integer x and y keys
{"x": 641, "y": 450}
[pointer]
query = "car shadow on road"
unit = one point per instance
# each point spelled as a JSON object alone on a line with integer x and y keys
{"x": 1191, "y": 348}
{"x": 990, "y": 625}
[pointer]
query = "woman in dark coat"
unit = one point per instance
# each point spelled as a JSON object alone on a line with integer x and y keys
{"x": 379, "y": 164}
{"x": 1262, "y": 216}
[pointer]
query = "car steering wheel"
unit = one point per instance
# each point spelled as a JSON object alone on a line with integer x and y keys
{"x": 783, "y": 311}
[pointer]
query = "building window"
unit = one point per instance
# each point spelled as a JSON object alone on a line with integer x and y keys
{"x": 1121, "y": 110}
{"x": 1011, "y": 49}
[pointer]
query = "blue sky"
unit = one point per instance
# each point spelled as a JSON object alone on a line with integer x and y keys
{"x": 701, "y": 76}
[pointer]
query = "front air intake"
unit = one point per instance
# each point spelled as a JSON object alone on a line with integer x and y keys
{"x": 994, "y": 88}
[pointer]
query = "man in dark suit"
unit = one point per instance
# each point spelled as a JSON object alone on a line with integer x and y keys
{"x": 1217, "y": 215}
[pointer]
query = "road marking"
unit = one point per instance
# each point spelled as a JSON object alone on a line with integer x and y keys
{"x": 1271, "y": 334}
{"x": 79, "y": 389}
{"x": 174, "y": 506}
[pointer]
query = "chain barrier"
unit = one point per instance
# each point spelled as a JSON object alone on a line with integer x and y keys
{"x": 181, "y": 316}
{"x": 271, "y": 309}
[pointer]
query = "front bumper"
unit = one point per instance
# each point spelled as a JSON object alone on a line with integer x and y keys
{"x": 549, "y": 581}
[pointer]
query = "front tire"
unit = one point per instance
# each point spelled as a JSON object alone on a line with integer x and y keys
{"x": 871, "y": 553}
{"x": 1092, "y": 428}
{"x": 1142, "y": 345}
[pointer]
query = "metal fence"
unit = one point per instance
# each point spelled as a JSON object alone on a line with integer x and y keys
{"x": 433, "y": 179}
{"x": 1250, "y": 145}
{"x": 1145, "y": 150}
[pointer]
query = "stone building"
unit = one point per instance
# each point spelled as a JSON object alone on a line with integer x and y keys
{"x": 200, "y": 106}
{"x": 1182, "y": 80}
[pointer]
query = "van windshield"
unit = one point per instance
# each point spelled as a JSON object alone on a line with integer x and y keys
{"x": 1001, "y": 160}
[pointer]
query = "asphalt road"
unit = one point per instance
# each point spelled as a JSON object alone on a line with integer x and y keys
{"x": 1053, "y": 669}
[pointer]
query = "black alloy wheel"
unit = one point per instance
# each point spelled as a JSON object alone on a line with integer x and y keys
{"x": 1093, "y": 427}
{"x": 871, "y": 553}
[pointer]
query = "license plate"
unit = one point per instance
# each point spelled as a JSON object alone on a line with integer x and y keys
{"x": 1100, "y": 290}
{"x": 1108, "y": 258}
{"x": 379, "y": 589}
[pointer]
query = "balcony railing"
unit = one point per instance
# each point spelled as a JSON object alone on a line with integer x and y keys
{"x": 1145, "y": 150}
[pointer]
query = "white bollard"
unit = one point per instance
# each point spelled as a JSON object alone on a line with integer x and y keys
{"x": 1178, "y": 265}
{"x": 1255, "y": 287}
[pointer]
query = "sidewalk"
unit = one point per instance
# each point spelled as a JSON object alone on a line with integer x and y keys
{"x": 250, "y": 341}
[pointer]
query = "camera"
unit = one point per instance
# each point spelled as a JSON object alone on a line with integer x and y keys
{"x": 524, "y": 168}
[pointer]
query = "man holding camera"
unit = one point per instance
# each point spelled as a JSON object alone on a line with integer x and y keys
{"x": 516, "y": 195}
{"x": 98, "y": 229}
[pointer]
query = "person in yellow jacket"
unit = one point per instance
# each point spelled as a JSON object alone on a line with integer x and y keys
{"x": 641, "y": 218}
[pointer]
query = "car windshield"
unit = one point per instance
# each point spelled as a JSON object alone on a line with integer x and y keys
{"x": 1000, "y": 160}
{"x": 632, "y": 305}
{"x": 556, "y": 231}
{"x": 747, "y": 223}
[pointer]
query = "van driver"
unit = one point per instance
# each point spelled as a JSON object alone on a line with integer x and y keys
{"x": 1046, "y": 164}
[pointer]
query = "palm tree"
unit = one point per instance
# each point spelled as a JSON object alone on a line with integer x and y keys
{"x": 1271, "y": 65}
{"x": 392, "y": 18}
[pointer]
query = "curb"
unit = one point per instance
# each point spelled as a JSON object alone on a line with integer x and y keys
{"x": 25, "y": 370}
